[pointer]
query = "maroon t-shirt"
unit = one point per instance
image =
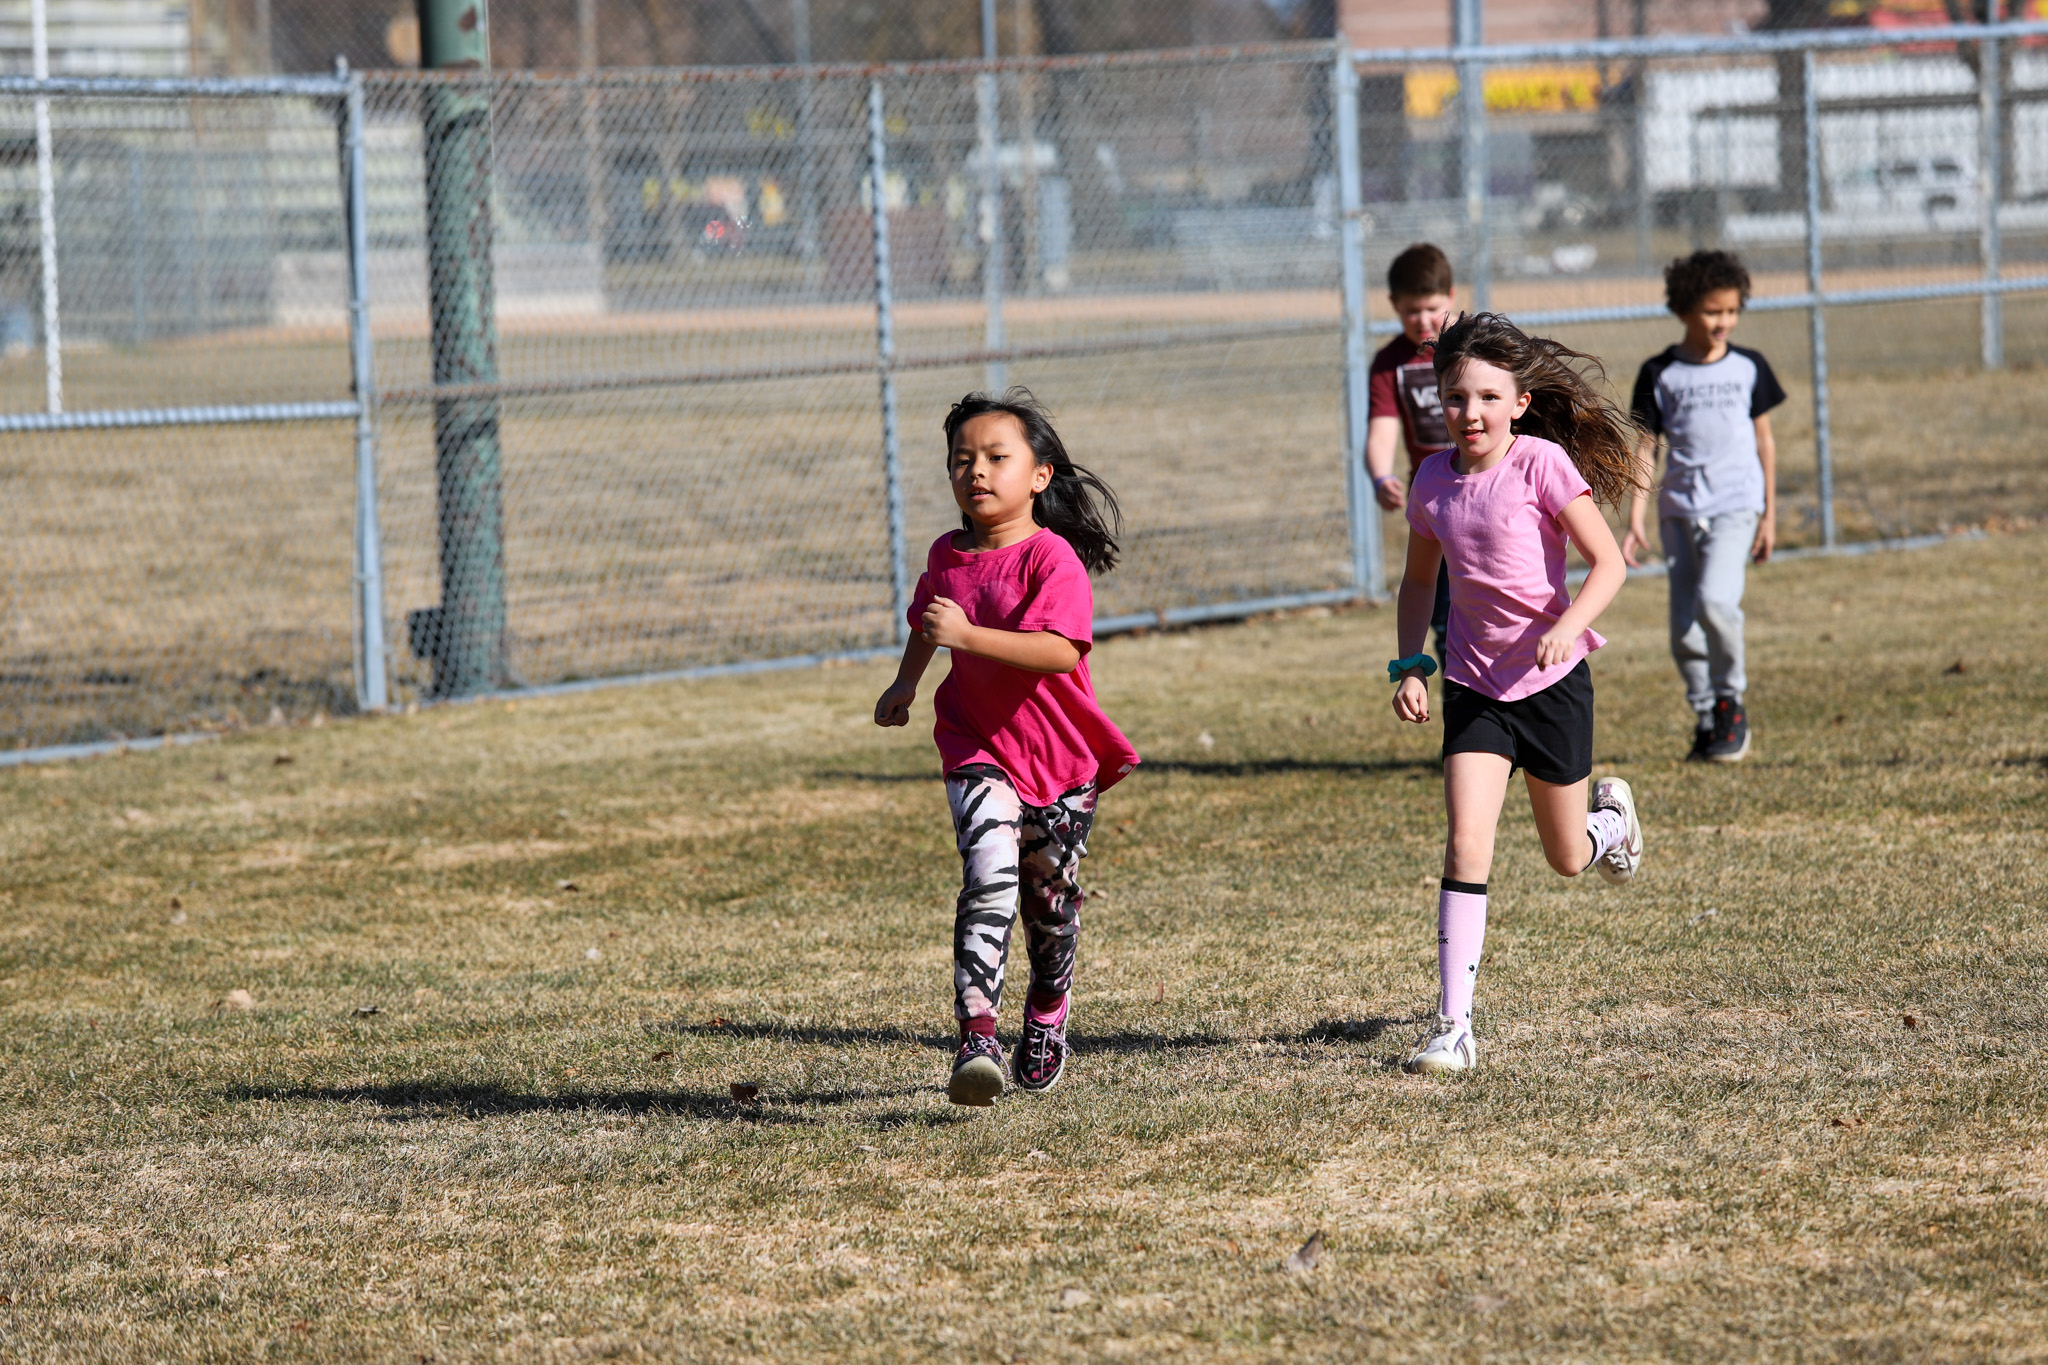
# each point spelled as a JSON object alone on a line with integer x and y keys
{"x": 1402, "y": 383}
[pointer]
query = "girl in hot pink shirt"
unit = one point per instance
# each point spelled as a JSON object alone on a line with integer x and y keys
{"x": 1024, "y": 746}
{"x": 1534, "y": 445}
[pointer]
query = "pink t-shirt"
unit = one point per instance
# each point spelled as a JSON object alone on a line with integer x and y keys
{"x": 1505, "y": 548}
{"x": 1043, "y": 729}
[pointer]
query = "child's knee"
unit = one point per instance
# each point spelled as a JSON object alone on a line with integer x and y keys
{"x": 1571, "y": 858}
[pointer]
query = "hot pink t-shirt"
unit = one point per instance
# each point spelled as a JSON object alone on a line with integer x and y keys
{"x": 1043, "y": 729}
{"x": 1505, "y": 548}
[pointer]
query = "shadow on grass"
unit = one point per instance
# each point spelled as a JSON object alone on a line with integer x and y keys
{"x": 1348, "y": 1030}
{"x": 429, "y": 1099}
{"x": 1121, "y": 1042}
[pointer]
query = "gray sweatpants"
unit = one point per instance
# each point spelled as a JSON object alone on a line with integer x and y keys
{"x": 1708, "y": 559}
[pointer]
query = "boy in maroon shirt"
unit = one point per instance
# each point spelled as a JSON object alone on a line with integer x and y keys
{"x": 1403, "y": 407}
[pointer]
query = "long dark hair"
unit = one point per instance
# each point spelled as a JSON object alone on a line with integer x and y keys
{"x": 1077, "y": 506}
{"x": 1564, "y": 404}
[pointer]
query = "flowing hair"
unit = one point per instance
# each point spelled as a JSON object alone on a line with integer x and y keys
{"x": 1564, "y": 404}
{"x": 1077, "y": 506}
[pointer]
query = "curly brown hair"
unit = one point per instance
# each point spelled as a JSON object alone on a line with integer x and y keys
{"x": 1689, "y": 279}
{"x": 1565, "y": 405}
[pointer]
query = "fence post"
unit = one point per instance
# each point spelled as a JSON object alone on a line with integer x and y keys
{"x": 994, "y": 262}
{"x": 1368, "y": 560}
{"x": 46, "y": 212}
{"x": 1990, "y": 176}
{"x": 1472, "y": 153}
{"x": 1823, "y": 448}
{"x": 464, "y": 637}
{"x": 885, "y": 362}
{"x": 372, "y": 661}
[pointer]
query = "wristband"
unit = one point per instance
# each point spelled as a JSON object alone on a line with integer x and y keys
{"x": 1396, "y": 667}
{"x": 1383, "y": 480}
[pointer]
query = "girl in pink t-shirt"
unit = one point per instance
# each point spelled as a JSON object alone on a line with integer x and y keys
{"x": 1024, "y": 747}
{"x": 1535, "y": 443}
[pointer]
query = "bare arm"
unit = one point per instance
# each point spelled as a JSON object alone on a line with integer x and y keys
{"x": 1582, "y": 521}
{"x": 893, "y": 707}
{"x": 1411, "y": 623}
{"x": 1382, "y": 443}
{"x": 1767, "y": 528}
{"x": 1638, "y": 538}
{"x": 1034, "y": 651}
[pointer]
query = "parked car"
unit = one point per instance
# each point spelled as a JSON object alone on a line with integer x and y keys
{"x": 1907, "y": 184}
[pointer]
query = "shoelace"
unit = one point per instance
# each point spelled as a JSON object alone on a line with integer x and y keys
{"x": 1041, "y": 1046}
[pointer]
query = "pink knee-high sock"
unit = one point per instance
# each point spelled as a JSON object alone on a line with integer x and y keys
{"x": 1460, "y": 937}
{"x": 1606, "y": 829}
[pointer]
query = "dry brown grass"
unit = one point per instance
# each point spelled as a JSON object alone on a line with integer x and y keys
{"x": 1705, "y": 1128}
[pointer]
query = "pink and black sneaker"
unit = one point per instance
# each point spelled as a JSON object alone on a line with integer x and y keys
{"x": 977, "y": 1071}
{"x": 1042, "y": 1053}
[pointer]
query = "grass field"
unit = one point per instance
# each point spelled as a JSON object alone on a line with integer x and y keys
{"x": 1782, "y": 1098}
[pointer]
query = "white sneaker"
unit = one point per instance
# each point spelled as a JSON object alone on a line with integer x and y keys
{"x": 1619, "y": 864}
{"x": 1452, "y": 1049}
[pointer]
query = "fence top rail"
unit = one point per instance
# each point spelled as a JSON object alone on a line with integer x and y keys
{"x": 1703, "y": 45}
{"x": 708, "y": 75}
{"x": 179, "y": 87}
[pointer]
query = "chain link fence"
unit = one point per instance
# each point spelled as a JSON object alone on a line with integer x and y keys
{"x": 1900, "y": 177}
{"x": 642, "y": 402}
{"x": 176, "y": 473}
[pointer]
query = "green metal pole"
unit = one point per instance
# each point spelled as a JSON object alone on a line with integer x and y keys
{"x": 464, "y": 638}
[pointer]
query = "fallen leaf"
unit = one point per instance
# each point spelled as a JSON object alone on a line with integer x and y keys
{"x": 1912, "y": 1021}
{"x": 746, "y": 1092}
{"x": 236, "y": 1000}
{"x": 177, "y": 904}
{"x": 1072, "y": 1297}
{"x": 1308, "y": 1257}
{"x": 302, "y": 1326}
{"x": 717, "y": 1021}
{"x": 1159, "y": 994}
{"x": 594, "y": 954}
{"x": 566, "y": 885}
{"x": 665, "y": 1055}
{"x": 1443, "y": 1280}
{"x": 1956, "y": 668}
{"x": 365, "y": 1011}
{"x": 178, "y": 918}
{"x": 280, "y": 760}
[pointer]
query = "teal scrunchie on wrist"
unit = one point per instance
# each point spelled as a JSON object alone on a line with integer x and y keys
{"x": 1399, "y": 666}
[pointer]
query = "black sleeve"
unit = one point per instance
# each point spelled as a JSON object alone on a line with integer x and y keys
{"x": 1768, "y": 392}
{"x": 1643, "y": 406}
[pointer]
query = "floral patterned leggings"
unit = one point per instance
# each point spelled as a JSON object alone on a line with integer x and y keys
{"x": 1013, "y": 857}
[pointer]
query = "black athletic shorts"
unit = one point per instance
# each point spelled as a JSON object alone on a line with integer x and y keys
{"x": 1549, "y": 734}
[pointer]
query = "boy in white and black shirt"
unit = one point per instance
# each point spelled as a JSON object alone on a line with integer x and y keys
{"x": 1718, "y": 507}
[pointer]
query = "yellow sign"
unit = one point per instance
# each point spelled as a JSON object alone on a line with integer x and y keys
{"x": 1509, "y": 90}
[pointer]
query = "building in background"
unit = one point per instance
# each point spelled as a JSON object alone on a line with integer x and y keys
{"x": 103, "y": 37}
